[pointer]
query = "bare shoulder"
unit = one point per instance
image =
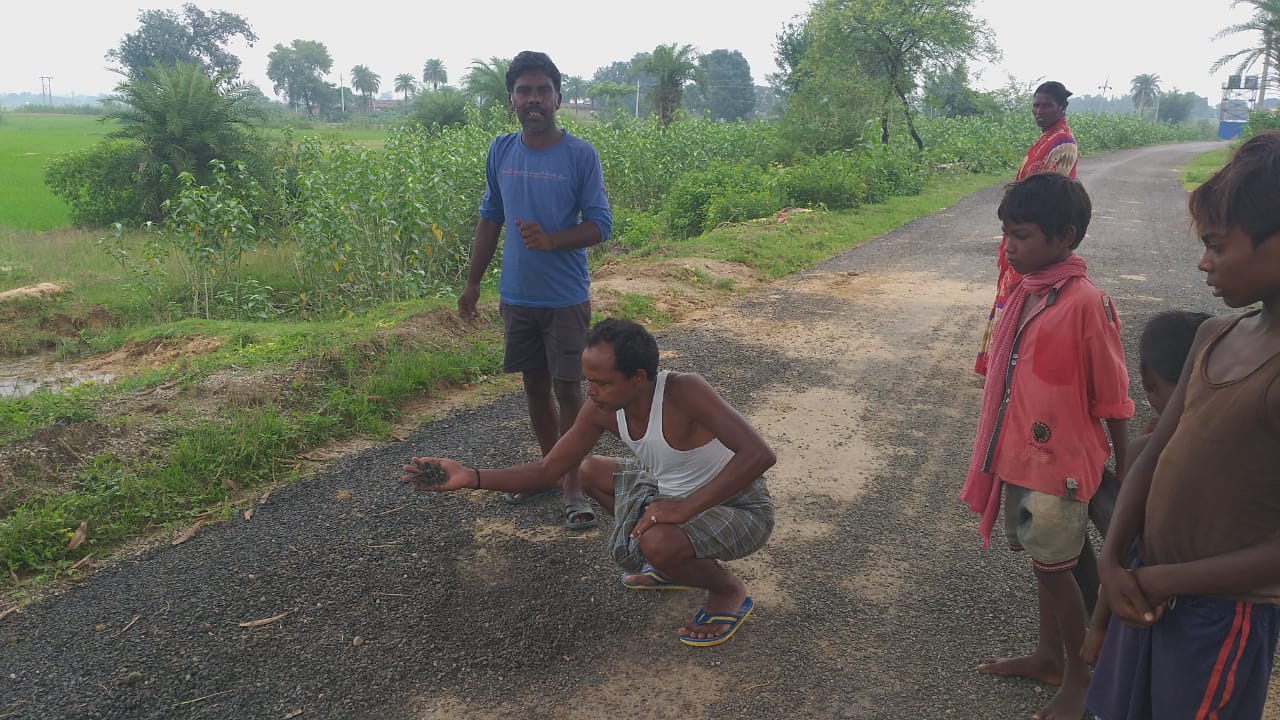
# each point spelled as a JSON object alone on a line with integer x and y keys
{"x": 687, "y": 384}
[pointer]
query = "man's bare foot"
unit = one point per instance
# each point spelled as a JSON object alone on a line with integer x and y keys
{"x": 1036, "y": 667}
{"x": 715, "y": 605}
{"x": 1067, "y": 703}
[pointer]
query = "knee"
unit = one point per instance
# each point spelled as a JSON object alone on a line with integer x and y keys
{"x": 665, "y": 545}
{"x": 596, "y": 473}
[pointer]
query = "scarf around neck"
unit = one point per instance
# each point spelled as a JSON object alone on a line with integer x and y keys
{"x": 981, "y": 488}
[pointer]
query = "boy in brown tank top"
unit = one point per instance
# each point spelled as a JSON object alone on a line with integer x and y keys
{"x": 1196, "y": 619}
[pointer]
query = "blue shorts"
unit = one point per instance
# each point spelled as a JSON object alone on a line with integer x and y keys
{"x": 1207, "y": 657}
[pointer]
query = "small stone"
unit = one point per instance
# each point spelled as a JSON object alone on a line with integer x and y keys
{"x": 133, "y": 678}
{"x": 357, "y": 641}
{"x": 100, "y": 627}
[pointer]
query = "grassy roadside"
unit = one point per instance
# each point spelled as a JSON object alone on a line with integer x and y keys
{"x": 234, "y": 412}
{"x": 1202, "y": 167}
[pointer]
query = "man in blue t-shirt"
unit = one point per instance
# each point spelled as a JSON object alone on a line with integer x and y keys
{"x": 546, "y": 188}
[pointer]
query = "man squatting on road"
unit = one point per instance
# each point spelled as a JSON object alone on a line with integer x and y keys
{"x": 693, "y": 496}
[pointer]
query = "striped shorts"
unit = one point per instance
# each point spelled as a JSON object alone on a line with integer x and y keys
{"x": 1206, "y": 657}
{"x": 733, "y": 529}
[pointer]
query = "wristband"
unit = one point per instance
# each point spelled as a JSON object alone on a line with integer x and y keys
{"x": 477, "y": 472}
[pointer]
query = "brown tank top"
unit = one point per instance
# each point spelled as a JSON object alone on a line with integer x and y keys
{"x": 1216, "y": 486}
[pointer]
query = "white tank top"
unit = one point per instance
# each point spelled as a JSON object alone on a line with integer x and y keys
{"x": 677, "y": 472}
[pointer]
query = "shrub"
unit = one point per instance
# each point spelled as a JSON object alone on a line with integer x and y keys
{"x": 832, "y": 181}
{"x": 100, "y": 183}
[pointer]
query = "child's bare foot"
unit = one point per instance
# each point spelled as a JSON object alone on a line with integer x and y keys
{"x": 1067, "y": 703}
{"x": 1037, "y": 667}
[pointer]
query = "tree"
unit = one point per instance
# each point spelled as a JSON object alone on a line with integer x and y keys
{"x": 366, "y": 82}
{"x": 486, "y": 82}
{"x": 295, "y": 71}
{"x": 405, "y": 83}
{"x": 789, "y": 48}
{"x": 671, "y": 67}
{"x": 1145, "y": 90}
{"x": 196, "y": 37}
{"x": 947, "y": 93}
{"x": 1176, "y": 107}
{"x": 726, "y": 82}
{"x": 1265, "y": 22}
{"x": 610, "y": 95}
{"x": 444, "y": 107}
{"x": 433, "y": 72}
{"x": 574, "y": 87}
{"x": 182, "y": 119}
{"x": 891, "y": 44}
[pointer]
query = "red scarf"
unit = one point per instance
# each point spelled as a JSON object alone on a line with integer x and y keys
{"x": 981, "y": 488}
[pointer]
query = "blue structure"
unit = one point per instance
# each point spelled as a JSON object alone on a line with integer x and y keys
{"x": 1228, "y": 129}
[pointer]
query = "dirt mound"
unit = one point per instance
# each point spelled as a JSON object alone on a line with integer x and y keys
{"x": 45, "y": 289}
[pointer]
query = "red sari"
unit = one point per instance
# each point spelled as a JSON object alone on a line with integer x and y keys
{"x": 1054, "y": 151}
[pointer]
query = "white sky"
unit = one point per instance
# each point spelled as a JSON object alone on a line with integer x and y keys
{"x": 1082, "y": 43}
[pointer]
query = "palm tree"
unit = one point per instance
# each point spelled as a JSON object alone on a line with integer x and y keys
{"x": 406, "y": 84}
{"x": 1145, "y": 89}
{"x": 486, "y": 82}
{"x": 433, "y": 72}
{"x": 671, "y": 67}
{"x": 366, "y": 82}
{"x": 182, "y": 119}
{"x": 574, "y": 87}
{"x": 1265, "y": 22}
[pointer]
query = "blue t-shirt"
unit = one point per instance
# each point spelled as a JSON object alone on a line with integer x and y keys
{"x": 558, "y": 187}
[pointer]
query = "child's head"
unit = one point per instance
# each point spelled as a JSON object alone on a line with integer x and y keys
{"x": 1238, "y": 218}
{"x": 1044, "y": 218}
{"x": 1162, "y": 351}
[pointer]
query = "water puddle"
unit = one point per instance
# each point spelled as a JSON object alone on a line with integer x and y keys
{"x": 24, "y": 375}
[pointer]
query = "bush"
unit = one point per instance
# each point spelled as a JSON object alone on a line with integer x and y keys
{"x": 832, "y": 181}
{"x": 1260, "y": 121}
{"x": 637, "y": 231}
{"x": 100, "y": 183}
{"x": 688, "y": 203}
{"x": 736, "y": 206}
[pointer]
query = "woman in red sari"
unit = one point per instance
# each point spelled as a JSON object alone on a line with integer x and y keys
{"x": 1054, "y": 151}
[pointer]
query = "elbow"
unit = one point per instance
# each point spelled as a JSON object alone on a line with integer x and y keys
{"x": 767, "y": 459}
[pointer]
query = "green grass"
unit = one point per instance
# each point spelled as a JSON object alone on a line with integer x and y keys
{"x": 806, "y": 239}
{"x": 1202, "y": 167}
{"x": 351, "y": 377}
{"x": 27, "y": 142}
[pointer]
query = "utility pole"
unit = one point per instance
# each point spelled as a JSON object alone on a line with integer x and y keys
{"x": 342, "y": 93}
{"x": 1105, "y": 86}
{"x": 46, "y": 89}
{"x": 637, "y": 97}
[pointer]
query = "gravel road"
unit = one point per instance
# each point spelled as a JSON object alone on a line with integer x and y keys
{"x": 874, "y": 597}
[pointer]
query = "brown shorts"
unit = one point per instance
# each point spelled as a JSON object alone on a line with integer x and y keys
{"x": 551, "y": 338}
{"x": 1051, "y": 528}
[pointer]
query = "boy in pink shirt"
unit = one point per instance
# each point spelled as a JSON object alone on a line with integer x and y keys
{"x": 1057, "y": 370}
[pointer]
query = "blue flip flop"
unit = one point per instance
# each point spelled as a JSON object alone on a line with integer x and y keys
{"x": 733, "y": 620}
{"x": 659, "y": 581}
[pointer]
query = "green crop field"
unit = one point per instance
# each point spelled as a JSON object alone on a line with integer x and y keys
{"x": 26, "y": 143}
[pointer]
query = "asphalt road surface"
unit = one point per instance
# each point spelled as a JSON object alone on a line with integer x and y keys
{"x": 874, "y": 597}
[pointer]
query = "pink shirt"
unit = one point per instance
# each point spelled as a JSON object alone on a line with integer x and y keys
{"x": 1068, "y": 374}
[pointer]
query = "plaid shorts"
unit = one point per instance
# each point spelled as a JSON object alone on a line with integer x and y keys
{"x": 733, "y": 529}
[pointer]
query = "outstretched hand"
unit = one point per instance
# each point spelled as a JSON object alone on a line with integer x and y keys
{"x": 422, "y": 472}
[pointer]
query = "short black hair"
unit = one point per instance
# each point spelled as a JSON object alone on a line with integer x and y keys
{"x": 1243, "y": 193}
{"x": 633, "y": 347}
{"x": 1056, "y": 89}
{"x": 1050, "y": 200}
{"x": 531, "y": 61}
{"x": 1166, "y": 340}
